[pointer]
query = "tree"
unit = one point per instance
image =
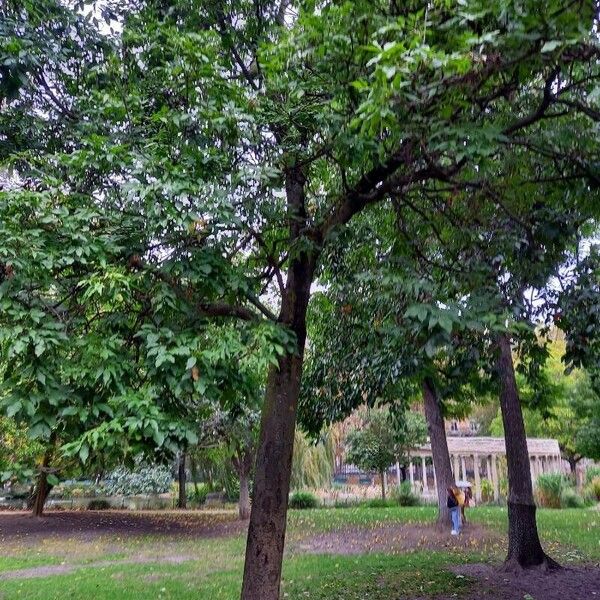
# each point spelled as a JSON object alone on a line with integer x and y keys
{"x": 312, "y": 462}
{"x": 383, "y": 439}
{"x": 372, "y": 447}
{"x": 232, "y": 134}
{"x": 242, "y": 439}
{"x": 568, "y": 412}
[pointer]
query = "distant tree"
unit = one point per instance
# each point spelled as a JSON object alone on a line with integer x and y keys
{"x": 383, "y": 439}
{"x": 373, "y": 446}
{"x": 312, "y": 461}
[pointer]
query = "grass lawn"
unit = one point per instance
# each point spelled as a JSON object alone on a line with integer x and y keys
{"x": 150, "y": 566}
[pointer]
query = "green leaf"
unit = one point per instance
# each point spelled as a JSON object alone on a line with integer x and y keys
{"x": 551, "y": 45}
{"x": 84, "y": 453}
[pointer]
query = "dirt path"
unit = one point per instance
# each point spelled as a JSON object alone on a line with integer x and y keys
{"x": 573, "y": 583}
{"x": 88, "y": 525}
{"x": 397, "y": 538}
{"x": 48, "y": 570}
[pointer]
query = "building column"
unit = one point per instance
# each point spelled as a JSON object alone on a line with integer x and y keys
{"x": 463, "y": 466}
{"x": 476, "y": 465}
{"x": 534, "y": 468}
{"x": 398, "y": 473}
{"x": 495, "y": 481}
{"x": 424, "y": 468}
{"x": 456, "y": 469}
{"x": 411, "y": 473}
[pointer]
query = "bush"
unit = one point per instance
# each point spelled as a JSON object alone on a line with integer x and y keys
{"x": 592, "y": 473}
{"x": 303, "y": 500}
{"x": 571, "y": 499}
{"x": 550, "y": 488}
{"x": 593, "y": 488}
{"x": 197, "y": 494}
{"x": 380, "y": 503}
{"x": 151, "y": 479}
{"x": 404, "y": 496}
{"x": 98, "y": 505}
{"x": 487, "y": 490}
{"x": 74, "y": 489}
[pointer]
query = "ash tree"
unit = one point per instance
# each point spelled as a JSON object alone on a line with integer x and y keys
{"x": 240, "y": 137}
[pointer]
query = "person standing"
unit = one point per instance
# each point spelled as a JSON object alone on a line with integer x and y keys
{"x": 452, "y": 503}
{"x": 468, "y": 496}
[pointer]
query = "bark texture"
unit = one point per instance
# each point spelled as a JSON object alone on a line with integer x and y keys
{"x": 524, "y": 547}
{"x": 244, "y": 503}
{"x": 266, "y": 532}
{"x": 181, "y": 478}
{"x": 242, "y": 463}
{"x": 439, "y": 449}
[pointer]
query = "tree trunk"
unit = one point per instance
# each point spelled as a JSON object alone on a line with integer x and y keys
{"x": 439, "y": 449}
{"x": 382, "y": 476}
{"x": 244, "y": 502}
{"x": 182, "y": 499}
{"x": 266, "y": 532}
{"x": 524, "y": 548}
{"x": 42, "y": 487}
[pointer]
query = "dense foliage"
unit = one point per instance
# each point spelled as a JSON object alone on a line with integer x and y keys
{"x": 185, "y": 171}
{"x": 144, "y": 479}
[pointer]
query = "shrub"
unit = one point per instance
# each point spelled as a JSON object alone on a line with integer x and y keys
{"x": 151, "y": 479}
{"x": 74, "y": 489}
{"x": 98, "y": 505}
{"x": 487, "y": 490}
{"x": 303, "y": 500}
{"x": 197, "y": 494}
{"x": 592, "y": 473}
{"x": 571, "y": 499}
{"x": 589, "y": 497}
{"x": 380, "y": 503}
{"x": 404, "y": 496}
{"x": 594, "y": 488}
{"x": 550, "y": 488}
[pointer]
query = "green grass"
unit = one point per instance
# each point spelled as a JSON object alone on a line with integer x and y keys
{"x": 571, "y": 533}
{"x": 373, "y": 576}
{"x": 215, "y": 566}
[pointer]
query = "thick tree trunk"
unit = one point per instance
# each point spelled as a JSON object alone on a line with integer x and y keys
{"x": 382, "y": 476}
{"x": 524, "y": 547}
{"x": 266, "y": 532}
{"x": 42, "y": 487}
{"x": 181, "y": 478}
{"x": 439, "y": 449}
{"x": 244, "y": 502}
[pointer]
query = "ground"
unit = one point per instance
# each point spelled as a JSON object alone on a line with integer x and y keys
{"x": 349, "y": 554}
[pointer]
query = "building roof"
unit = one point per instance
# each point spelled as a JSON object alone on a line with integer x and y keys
{"x": 491, "y": 445}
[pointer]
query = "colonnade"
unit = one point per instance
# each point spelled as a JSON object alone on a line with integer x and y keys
{"x": 475, "y": 466}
